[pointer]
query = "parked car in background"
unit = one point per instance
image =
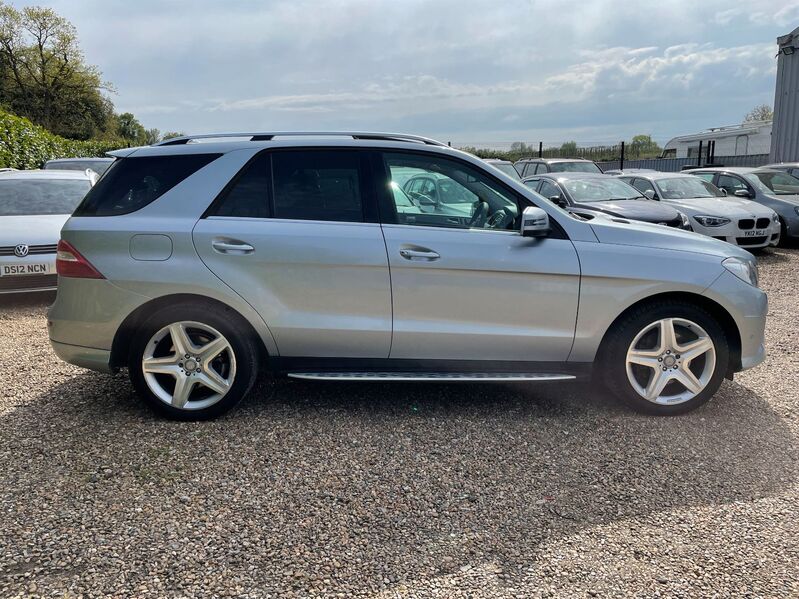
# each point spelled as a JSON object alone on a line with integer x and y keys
{"x": 34, "y": 205}
{"x": 792, "y": 168}
{"x": 506, "y": 166}
{"x": 205, "y": 263}
{"x": 602, "y": 193}
{"x": 776, "y": 189}
{"x": 98, "y": 165}
{"x": 528, "y": 167}
{"x": 712, "y": 212}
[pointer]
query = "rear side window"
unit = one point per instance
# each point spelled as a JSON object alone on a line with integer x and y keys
{"x": 318, "y": 185}
{"x": 248, "y": 194}
{"x": 132, "y": 183}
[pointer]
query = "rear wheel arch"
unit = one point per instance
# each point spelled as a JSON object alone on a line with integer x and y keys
{"x": 124, "y": 335}
{"x": 716, "y": 310}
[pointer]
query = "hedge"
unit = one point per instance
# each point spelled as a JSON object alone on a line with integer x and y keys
{"x": 24, "y": 145}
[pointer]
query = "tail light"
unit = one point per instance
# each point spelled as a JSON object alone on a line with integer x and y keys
{"x": 70, "y": 263}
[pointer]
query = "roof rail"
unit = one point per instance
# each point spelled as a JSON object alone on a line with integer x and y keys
{"x": 268, "y": 136}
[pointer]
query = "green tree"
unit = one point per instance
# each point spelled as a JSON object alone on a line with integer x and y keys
{"x": 568, "y": 148}
{"x": 763, "y": 112}
{"x": 152, "y": 136}
{"x": 130, "y": 129}
{"x": 44, "y": 75}
{"x": 643, "y": 146}
{"x": 172, "y": 134}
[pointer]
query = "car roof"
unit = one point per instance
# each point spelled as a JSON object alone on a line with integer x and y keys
{"x": 564, "y": 176}
{"x": 550, "y": 160}
{"x": 657, "y": 175}
{"x": 725, "y": 169}
{"x": 53, "y": 173}
{"x": 497, "y": 161}
{"x": 779, "y": 164}
{"x": 92, "y": 158}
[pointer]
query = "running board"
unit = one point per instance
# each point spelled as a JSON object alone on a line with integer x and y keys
{"x": 430, "y": 376}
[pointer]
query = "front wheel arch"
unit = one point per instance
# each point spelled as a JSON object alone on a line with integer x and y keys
{"x": 122, "y": 339}
{"x": 715, "y": 309}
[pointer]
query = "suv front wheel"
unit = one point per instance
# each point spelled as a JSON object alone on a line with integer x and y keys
{"x": 665, "y": 358}
{"x": 192, "y": 363}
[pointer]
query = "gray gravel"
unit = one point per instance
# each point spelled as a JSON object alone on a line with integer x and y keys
{"x": 398, "y": 490}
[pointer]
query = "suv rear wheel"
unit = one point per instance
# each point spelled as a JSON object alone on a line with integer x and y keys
{"x": 192, "y": 363}
{"x": 667, "y": 358}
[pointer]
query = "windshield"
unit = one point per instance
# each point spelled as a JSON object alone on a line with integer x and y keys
{"x": 507, "y": 168}
{"x": 574, "y": 167}
{"x": 41, "y": 196}
{"x": 680, "y": 188}
{"x": 98, "y": 166}
{"x": 779, "y": 183}
{"x": 600, "y": 190}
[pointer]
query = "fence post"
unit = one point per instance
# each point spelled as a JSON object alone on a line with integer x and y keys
{"x": 449, "y": 143}
{"x": 699, "y": 156}
{"x": 621, "y": 159}
{"x": 540, "y": 149}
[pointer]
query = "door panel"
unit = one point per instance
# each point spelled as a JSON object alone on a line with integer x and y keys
{"x": 323, "y": 288}
{"x": 488, "y": 295}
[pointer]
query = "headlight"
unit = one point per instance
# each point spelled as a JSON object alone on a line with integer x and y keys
{"x": 686, "y": 222}
{"x": 712, "y": 221}
{"x": 776, "y": 217}
{"x": 743, "y": 269}
{"x": 796, "y": 209}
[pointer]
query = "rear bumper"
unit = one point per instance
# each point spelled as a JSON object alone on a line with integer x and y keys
{"x": 85, "y": 357}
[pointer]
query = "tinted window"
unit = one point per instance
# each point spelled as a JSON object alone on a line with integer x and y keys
{"x": 530, "y": 169}
{"x": 574, "y": 167}
{"x": 132, "y": 183}
{"x": 42, "y": 196}
{"x": 643, "y": 185}
{"x": 731, "y": 184}
{"x": 248, "y": 195}
{"x": 549, "y": 189}
{"x": 318, "y": 185}
{"x": 778, "y": 183}
{"x": 507, "y": 168}
{"x": 457, "y": 196}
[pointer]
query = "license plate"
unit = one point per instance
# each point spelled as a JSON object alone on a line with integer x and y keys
{"x": 15, "y": 270}
{"x": 755, "y": 233}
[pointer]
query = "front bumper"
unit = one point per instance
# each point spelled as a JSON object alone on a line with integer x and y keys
{"x": 733, "y": 234}
{"x": 748, "y": 307}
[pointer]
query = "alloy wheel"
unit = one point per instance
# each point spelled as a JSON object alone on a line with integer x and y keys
{"x": 671, "y": 361}
{"x": 189, "y": 365}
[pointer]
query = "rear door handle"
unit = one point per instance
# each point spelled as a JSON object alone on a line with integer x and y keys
{"x": 232, "y": 246}
{"x": 424, "y": 255}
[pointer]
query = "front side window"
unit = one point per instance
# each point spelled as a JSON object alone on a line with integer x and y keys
{"x": 318, "y": 185}
{"x": 132, "y": 183}
{"x": 683, "y": 188}
{"x": 600, "y": 190}
{"x": 781, "y": 184}
{"x": 549, "y": 189}
{"x": 580, "y": 166}
{"x": 704, "y": 176}
{"x": 731, "y": 184}
{"x": 464, "y": 197}
{"x": 507, "y": 168}
{"x": 41, "y": 196}
{"x": 642, "y": 185}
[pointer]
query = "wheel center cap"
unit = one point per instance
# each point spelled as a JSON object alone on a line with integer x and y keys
{"x": 191, "y": 364}
{"x": 669, "y": 361}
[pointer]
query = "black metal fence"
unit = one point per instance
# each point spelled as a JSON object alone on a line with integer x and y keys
{"x": 673, "y": 165}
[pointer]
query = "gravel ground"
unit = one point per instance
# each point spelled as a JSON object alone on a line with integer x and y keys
{"x": 398, "y": 490}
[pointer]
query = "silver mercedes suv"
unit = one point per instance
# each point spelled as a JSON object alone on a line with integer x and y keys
{"x": 202, "y": 261}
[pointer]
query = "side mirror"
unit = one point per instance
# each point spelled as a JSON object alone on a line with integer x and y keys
{"x": 558, "y": 200}
{"x": 723, "y": 191}
{"x": 742, "y": 193}
{"x": 650, "y": 194}
{"x": 535, "y": 222}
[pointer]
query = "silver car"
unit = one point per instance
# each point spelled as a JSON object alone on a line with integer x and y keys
{"x": 98, "y": 165}
{"x": 711, "y": 211}
{"x": 34, "y": 205}
{"x": 198, "y": 265}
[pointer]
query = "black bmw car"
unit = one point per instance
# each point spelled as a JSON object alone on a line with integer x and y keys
{"x": 593, "y": 193}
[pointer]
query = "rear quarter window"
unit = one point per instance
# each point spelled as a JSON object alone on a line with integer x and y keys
{"x": 132, "y": 183}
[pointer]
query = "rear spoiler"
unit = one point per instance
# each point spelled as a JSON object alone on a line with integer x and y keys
{"x": 123, "y": 153}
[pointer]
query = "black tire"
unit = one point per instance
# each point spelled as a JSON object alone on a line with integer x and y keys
{"x": 613, "y": 353}
{"x": 224, "y": 320}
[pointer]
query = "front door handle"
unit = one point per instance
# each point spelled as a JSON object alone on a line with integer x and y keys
{"x": 425, "y": 255}
{"x": 232, "y": 246}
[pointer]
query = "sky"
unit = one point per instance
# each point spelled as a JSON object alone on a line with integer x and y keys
{"x": 473, "y": 72}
